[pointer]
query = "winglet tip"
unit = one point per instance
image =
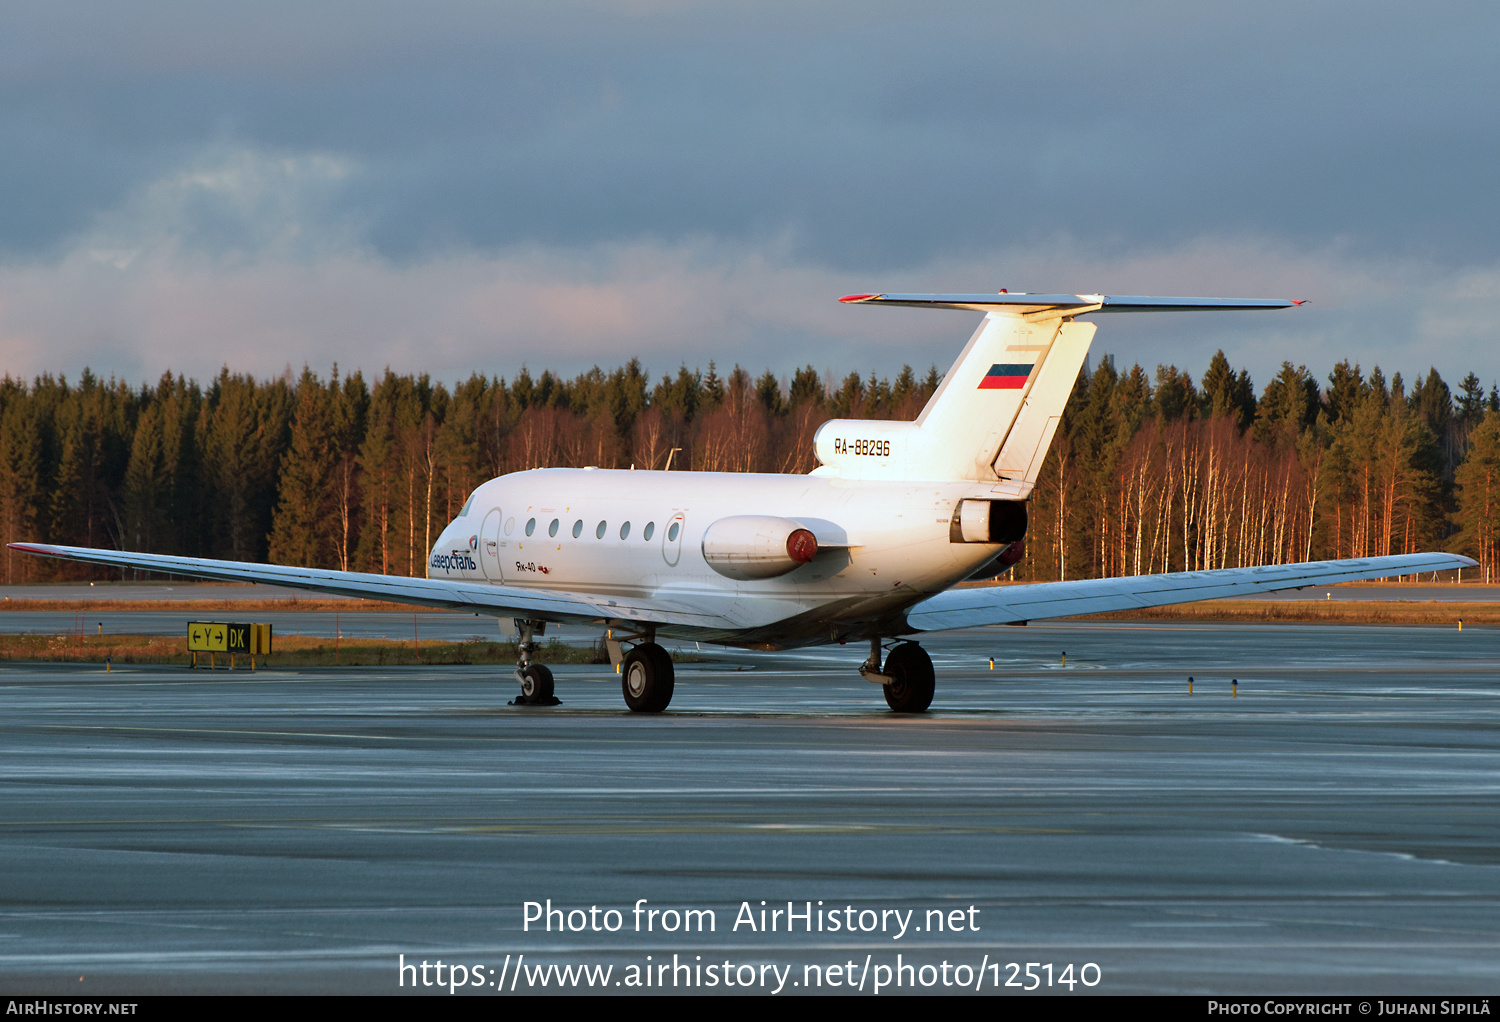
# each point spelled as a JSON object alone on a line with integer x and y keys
{"x": 855, "y": 299}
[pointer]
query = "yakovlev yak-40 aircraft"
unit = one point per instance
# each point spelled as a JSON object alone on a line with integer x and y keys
{"x": 865, "y": 548}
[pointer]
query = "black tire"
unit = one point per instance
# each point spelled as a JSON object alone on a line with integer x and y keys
{"x": 536, "y": 684}
{"x": 911, "y": 667}
{"x": 647, "y": 678}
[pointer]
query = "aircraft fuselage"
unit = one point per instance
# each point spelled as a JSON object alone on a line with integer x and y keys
{"x": 883, "y": 546}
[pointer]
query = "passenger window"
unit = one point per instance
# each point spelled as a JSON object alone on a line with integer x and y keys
{"x": 625, "y": 530}
{"x": 599, "y": 532}
{"x": 510, "y": 526}
{"x": 552, "y": 529}
{"x": 578, "y": 528}
{"x": 646, "y": 534}
{"x": 672, "y": 533}
{"x": 531, "y": 527}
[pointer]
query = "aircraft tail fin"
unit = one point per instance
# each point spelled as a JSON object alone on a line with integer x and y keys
{"x": 1011, "y": 378}
{"x": 993, "y": 417}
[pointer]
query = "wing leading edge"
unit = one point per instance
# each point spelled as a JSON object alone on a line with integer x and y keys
{"x": 498, "y": 600}
{"x": 998, "y": 605}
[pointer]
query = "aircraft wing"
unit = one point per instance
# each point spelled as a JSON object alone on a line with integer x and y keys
{"x": 497, "y": 600}
{"x": 999, "y": 605}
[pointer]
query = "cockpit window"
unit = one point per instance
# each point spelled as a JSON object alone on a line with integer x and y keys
{"x": 468, "y": 504}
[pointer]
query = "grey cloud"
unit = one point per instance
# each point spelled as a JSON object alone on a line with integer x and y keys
{"x": 878, "y": 136}
{"x": 687, "y": 181}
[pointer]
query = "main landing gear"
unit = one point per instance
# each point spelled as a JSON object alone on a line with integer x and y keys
{"x": 646, "y": 674}
{"x": 906, "y": 676}
{"x": 535, "y": 679}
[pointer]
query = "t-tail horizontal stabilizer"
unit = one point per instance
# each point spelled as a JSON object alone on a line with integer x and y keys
{"x": 1020, "y": 303}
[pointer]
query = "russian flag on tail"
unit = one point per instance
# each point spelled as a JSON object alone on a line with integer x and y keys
{"x": 1006, "y": 376}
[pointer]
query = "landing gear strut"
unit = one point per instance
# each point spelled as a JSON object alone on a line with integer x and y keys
{"x": 535, "y": 679}
{"x": 646, "y": 674}
{"x": 906, "y": 676}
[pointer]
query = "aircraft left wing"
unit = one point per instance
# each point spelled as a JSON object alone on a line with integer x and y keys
{"x": 497, "y": 600}
{"x": 999, "y": 605}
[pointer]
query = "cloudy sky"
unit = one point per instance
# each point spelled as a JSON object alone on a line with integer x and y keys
{"x": 456, "y": 185}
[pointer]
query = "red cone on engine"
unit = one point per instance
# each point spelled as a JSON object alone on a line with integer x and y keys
{"x": 801, "y": 546}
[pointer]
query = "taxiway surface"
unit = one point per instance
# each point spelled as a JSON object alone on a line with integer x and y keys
{"x": 1332, "y": 828}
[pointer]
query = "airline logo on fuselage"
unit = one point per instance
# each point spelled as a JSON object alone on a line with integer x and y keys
{"x": 455, "y": 560}
{"x": 1007, "y": 376}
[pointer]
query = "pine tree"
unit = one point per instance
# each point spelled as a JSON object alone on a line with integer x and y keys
{"x": 807, "y": 387}
{"x": 350, "y": 409}
{"x": 181, "y": 404}
{"x": 68, "y": 511}
{"x": 1345, "y": 385}
{"x": 712, "y": 392}
{"x": 92, "y": 448}
{"x": 20, "y": 451}
{"x": 303, "y": 527}
{"x": 1470, "y": 401}
{"x": 459, "y": 441}
{"x": 680, "y": 394}
{"x": 1176, "y": 397}
{"x": 377, "y": 481}
{"x": 1478, "y": 481}
{"x": 848, "y": 402}
{"x": 246, "y": 429}
{"x": 1288, "y": 406}
{"x": 1432, "y": 400}
{"x": 147, "y": 494}
{"x": 1225, "y": 393}
{"x": 768, "y": 392}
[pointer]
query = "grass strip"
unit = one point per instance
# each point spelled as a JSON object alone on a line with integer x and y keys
{"x": 295, "y": 651}
{"x": 1347, "y": 612}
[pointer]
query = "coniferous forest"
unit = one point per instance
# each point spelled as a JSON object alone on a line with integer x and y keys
{"x": 1148, "y": 473}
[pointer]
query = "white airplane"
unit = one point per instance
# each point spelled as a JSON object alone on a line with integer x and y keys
{"x": 865, "y": 548}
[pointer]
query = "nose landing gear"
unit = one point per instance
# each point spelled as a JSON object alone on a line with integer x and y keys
{"x": 536, "y": 686}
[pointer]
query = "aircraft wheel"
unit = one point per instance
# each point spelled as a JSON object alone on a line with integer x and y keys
{"x": 536, "y": 684}
{"x": 646, "y": 678}
{"x": 912, "y": 690}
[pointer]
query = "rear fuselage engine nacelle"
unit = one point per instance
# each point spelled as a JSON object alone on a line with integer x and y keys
{"x": 988, "y": 521}
{"x": 747, "y": 547}
{"x": 991, "y": 521}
